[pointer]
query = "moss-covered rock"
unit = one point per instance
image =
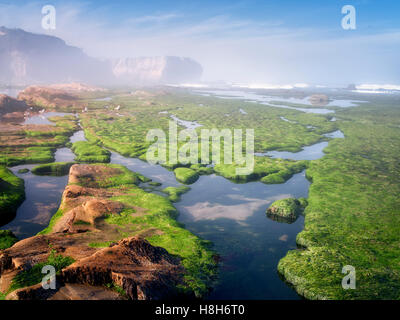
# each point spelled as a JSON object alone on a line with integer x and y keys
{"x": 267, "y": 170}
{"x": 186, "y": 175}
{"x": 33, "y": 144}
{"x": 7, "y": 239}
{"x": 25, "y": 170}
{"x": 53, "y": 169}
{"x": 90, "y": 153}
{"x": 286, "y": 210}
{"x": 175, "y": 192}
{"x": 202, "y": 169}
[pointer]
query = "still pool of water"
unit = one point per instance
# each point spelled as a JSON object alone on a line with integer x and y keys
{"x": 233, "y": 217}
{"x": 250, "y": 245}
{"x": 43, "y": 118}
{"x": 42, "y": 199}
{"x": 65, "y": 154}
{"x": 269, "y": 100}
{"x": 312, "y": 152}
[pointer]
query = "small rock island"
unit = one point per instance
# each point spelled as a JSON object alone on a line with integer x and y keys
{"x": 286, "y": 210}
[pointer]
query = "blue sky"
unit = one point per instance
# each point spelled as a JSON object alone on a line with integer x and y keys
{"x": 275, "y": 42}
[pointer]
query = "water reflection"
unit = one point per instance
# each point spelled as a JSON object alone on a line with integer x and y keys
{"x": 233, "y": 217}
{"x": 43, "y": 118}
{"x": 42, "y": 199}
{"x": 312, "y": 152}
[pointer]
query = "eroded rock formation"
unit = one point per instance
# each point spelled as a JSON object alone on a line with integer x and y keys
{"x": 11, "y": 107}
{"x": 131, "y": 264}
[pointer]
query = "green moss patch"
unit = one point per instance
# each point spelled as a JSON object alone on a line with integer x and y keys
{"x": 286, "y": 210}
{"x": 174, "y": 193}
{"x": 12, "y": 194}
{"x": 267, "y": 170}
{"x": 35, "y": 143}
{"x": 90, "y": 153}
{"x": 353, "y": 213}
{"x": 186, "y": 175}
{"x": 7, "y": 239}
{"x": 34, "y": 275}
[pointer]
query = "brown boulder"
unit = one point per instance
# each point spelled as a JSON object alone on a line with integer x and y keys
{"x": 140, "y": 269}
{"x": 51, "y": 98}
{"x": 11, "y": 105}
{"x": 319, "y": 100}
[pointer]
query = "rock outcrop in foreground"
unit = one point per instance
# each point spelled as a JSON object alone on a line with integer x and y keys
{"x": 97, "y": 244}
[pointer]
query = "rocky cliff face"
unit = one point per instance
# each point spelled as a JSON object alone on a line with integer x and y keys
{"x": 27, "y": 58}
{"x": 157, "y": 70}
{"x": 31, "y": 58}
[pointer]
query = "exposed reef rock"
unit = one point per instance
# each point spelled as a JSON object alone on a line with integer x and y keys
{"x": 49, "y": 97}
{"x": 144, "y": 272}
{"x": 11, "y": 109}
{"x": 96, "y": 257}
{"x": 319, "y": 100}
{"x": 186, "y": 175}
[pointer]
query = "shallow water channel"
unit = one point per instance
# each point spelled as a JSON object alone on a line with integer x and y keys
{"x": 272, "y": 100}
{"x": 231, "y": 215}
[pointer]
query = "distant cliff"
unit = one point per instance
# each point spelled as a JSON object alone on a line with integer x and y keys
{"x": 28, "y": 58}
{"x": 157, "y": 70}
